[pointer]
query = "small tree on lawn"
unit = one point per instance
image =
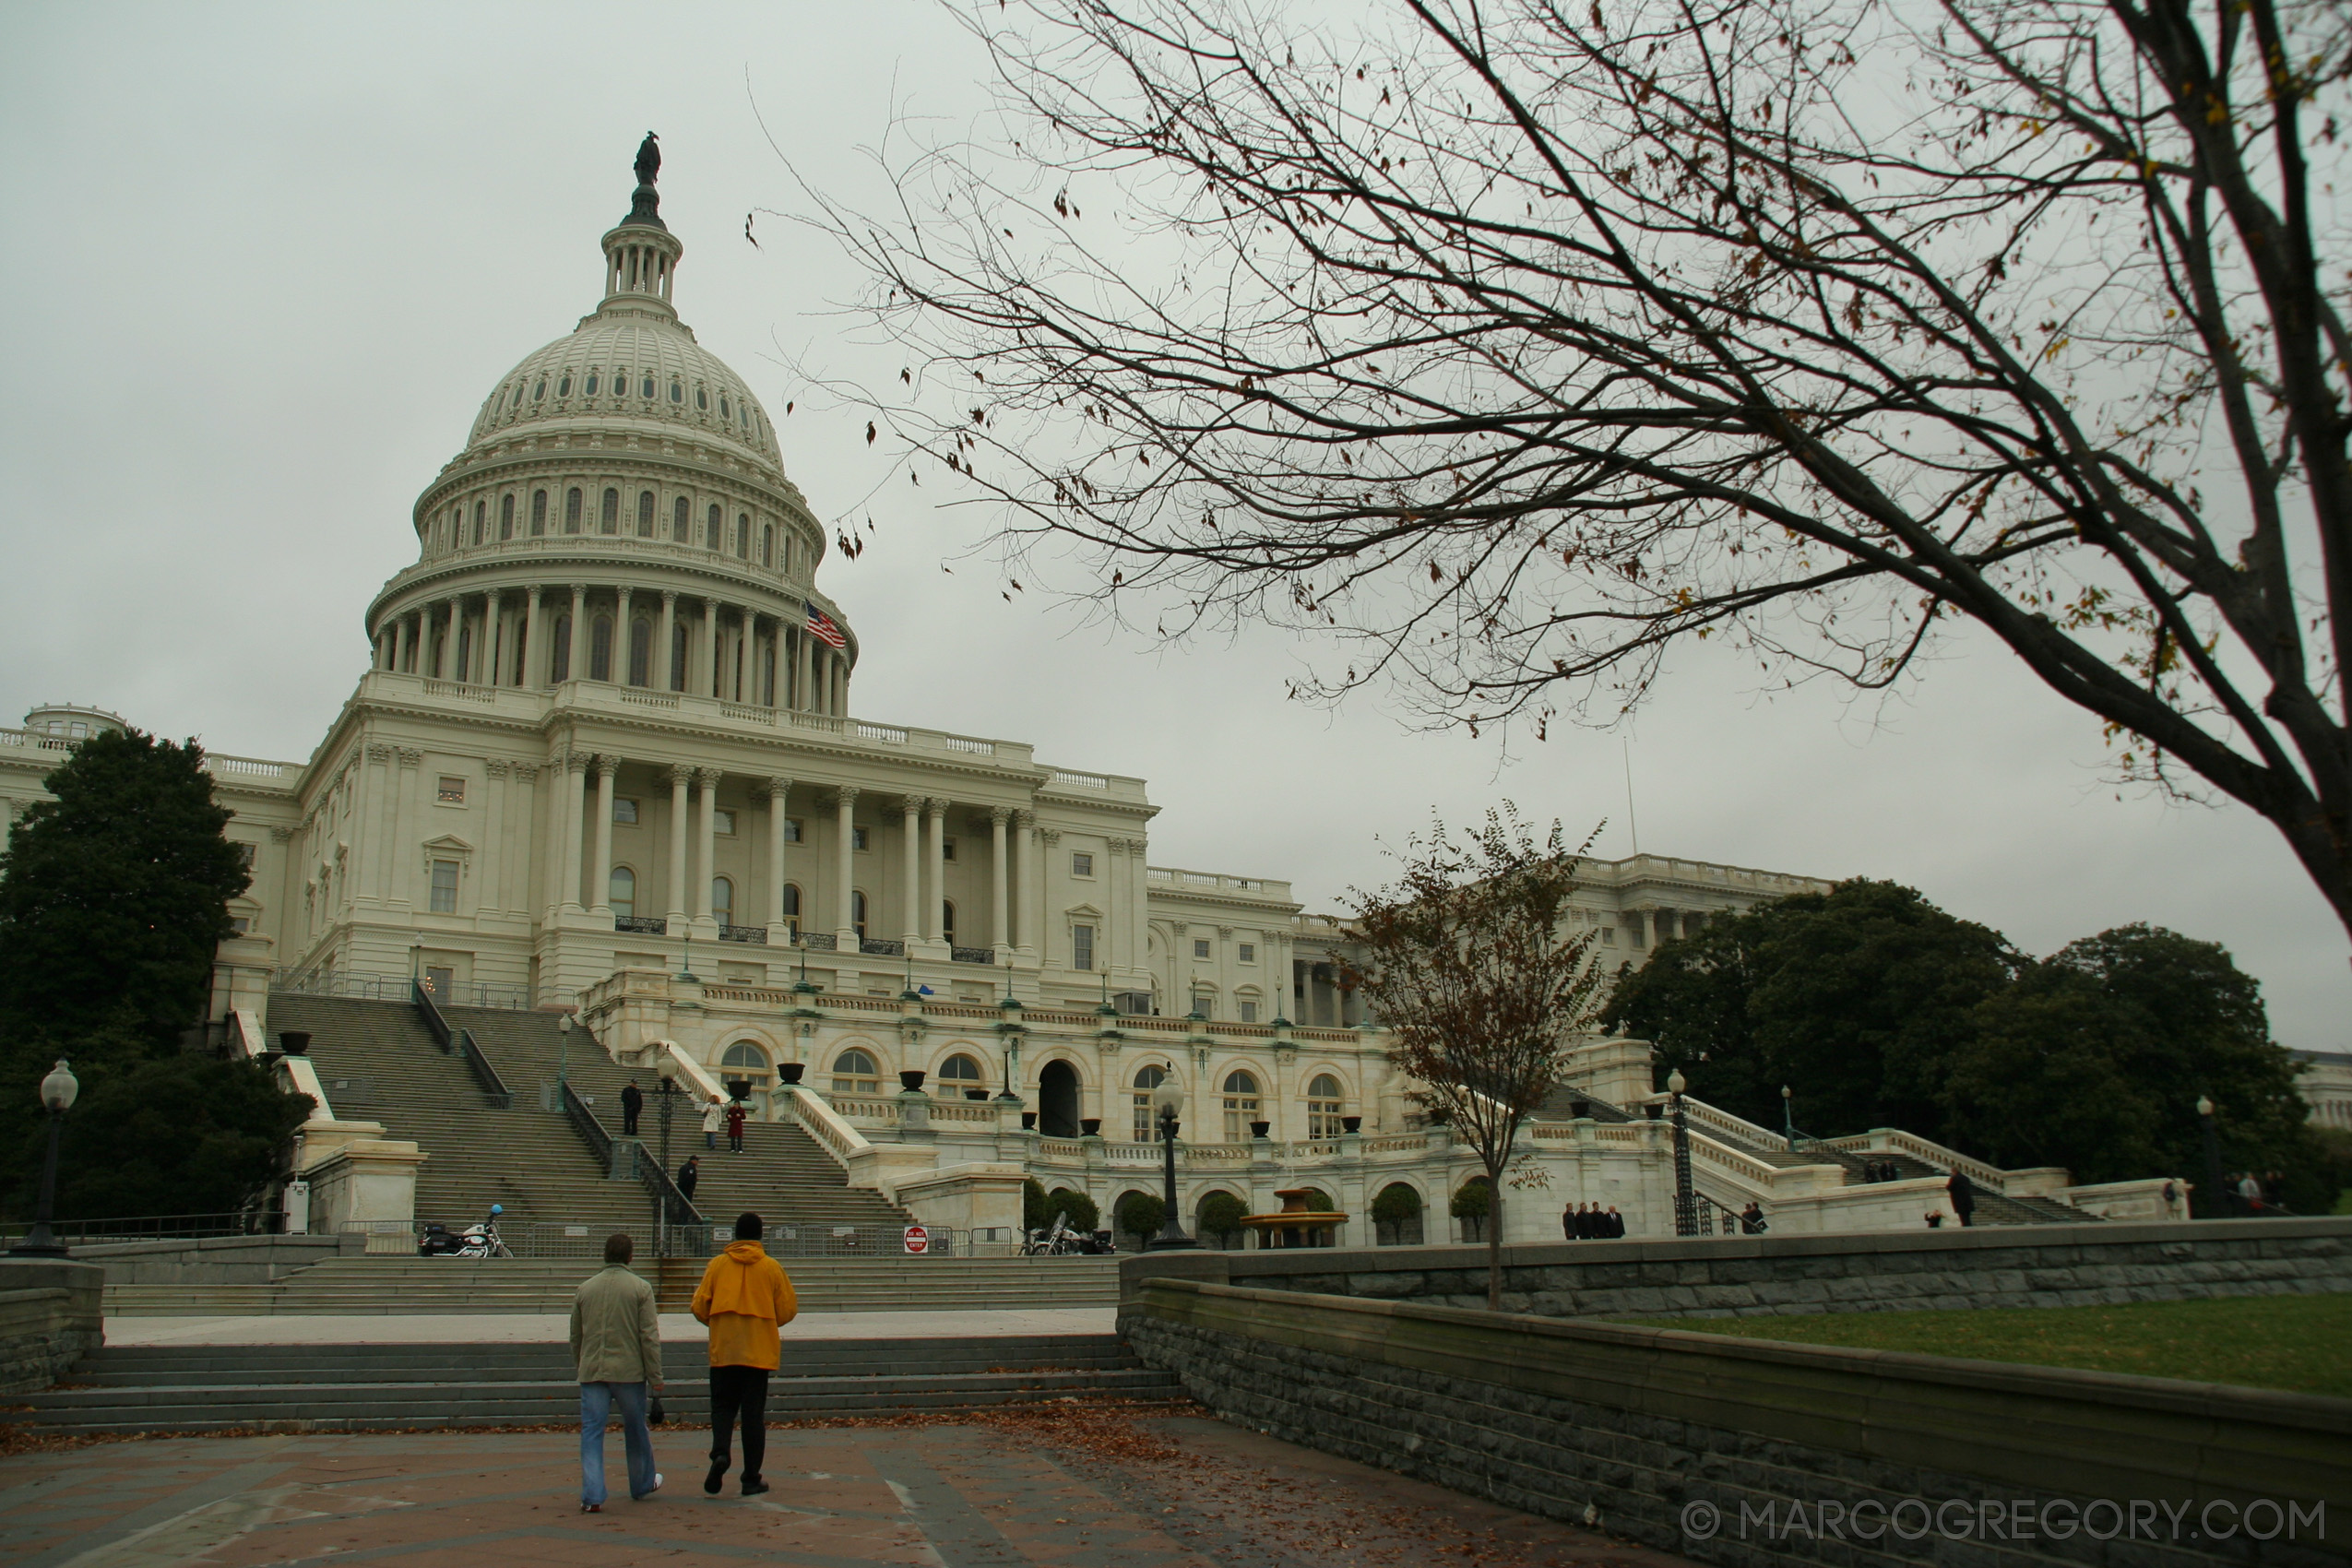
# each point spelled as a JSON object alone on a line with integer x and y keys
{"x": 1140, "y": 1215}
{"x": 1221, "y": 1216}
{"x": 1471, "y": 963}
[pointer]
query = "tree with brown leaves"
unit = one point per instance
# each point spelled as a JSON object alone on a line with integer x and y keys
{"x": 1515, "y": 341}
{"x": 1471, "y": 962}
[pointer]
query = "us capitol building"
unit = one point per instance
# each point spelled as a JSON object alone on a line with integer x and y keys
{"x": 605, "y": 756}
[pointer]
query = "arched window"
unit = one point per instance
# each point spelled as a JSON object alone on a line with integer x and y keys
{"x": 792, "y": 908}
{"x": 1324, "y": 1101}
{"x": 858, "y": 914}
{"x": 1241, "y": 1105}
{"x": 600, "y": 649}
{"x": 677, "y": 390}
{"x": 678, "y": 656}
{"x": 559, "y": 669}
{"x": 640, "y": 653}
{"x": 702, "y": 397}
{"x": 1147, "y": 1080}
{"x": 540, "y": 389}
{"x": 590, "y": 388}
{"x": 745, "y": 1061}
{"x": 948, "y": 922}
{"x": 681, "y": 519}
{"x": 726, "y": 411}
{"x": 609, "y": 521}
{"x": 539, "y": 513}
{"x": 645, "y": 514}
{"x": 713, "y": 528}
{"x": 572, "y": 510}
{"x": 623, "y": 893}
{"x": 742, "y": 536}
{"x": 482, "y": 520}
{"x": 645, "y": 391}
{"x": 768, "y": 544}
{"x": 564, "y": 387}
{"x": 959, "y": 1078}
{"x": 506, "y": 516}
{"x": 722, "y": 900}
{"x": 854, "y": 1073}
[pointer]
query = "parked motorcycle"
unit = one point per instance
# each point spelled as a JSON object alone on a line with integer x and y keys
{"x": 474, "y": 1241}
{"x": 1059, "y": 1240}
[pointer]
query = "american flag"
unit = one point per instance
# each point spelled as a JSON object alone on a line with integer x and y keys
{"x": 822, "y": 628}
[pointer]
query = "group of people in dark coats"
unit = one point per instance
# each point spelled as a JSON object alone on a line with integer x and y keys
{"x": 1590, "y": 1222}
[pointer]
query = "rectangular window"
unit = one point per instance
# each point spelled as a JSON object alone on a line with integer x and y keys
{"x": 1082, "y": 946}
{"x": 1609, "y": 935}
{"x": 444, "y": 887}
{"x": 240, "y": 924}
{"x": 246, "y": 854}
{"x": 1249, "y": 1012}
{"x": 1200, "y": 948}
{"x": 1249, "y": 952}
{"x": 722, "y": 823}
{"x": 791, "y": 830}
{"x": 440, "y": 981}
{"x": 947, "y": 849}
{"x": 1081, "y": 864}
{"x": 625, "y": 809}
{"x": 856, "y": 837}
{"x": 452, "y": 791}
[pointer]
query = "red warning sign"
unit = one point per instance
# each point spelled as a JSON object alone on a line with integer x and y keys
{"x": 917, "y": 1238}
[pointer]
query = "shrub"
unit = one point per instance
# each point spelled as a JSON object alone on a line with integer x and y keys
{"x": 1396, "y": 1205}
{"x": 1078, "y": 1208}
{"x": 1035, "y": 1214}
{"x": 1140, "y": 1214}
{"x": 1472, "y": 1200}
{"x": 1221, "y": 1216}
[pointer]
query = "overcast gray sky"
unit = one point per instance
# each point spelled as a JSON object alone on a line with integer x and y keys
{"x": 267, "y": 261}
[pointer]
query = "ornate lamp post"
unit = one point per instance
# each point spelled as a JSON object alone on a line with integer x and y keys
{"x": 1788, "y": 1118}
{"x": 58, "y": 1091}
{"x": 1686, "y": 1208}
{"x": 669, "y": 1094}
{"x": 562, "y": 1058}
{"x": 2217, "y": 1205}
{"x": 1171, "y": 1234}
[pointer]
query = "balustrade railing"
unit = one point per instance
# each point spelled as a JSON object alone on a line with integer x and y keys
{"x": 756, "y": 935}
{"x": 882, "y": 947}
{"x": 816, "y": 941}
{"x": 643, "y": 925}
{"x": 972, "y": 954}
{"x": 397, "y": 988}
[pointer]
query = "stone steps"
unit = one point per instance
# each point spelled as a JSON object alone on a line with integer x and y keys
{"x": 377, "y": 1387}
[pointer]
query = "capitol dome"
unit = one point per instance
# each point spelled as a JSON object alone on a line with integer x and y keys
{"x": 619, "y": 513}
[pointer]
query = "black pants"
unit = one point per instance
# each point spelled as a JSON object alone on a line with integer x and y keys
{"x": 739, "y": 1391}
{"x": 628, "y": 1122}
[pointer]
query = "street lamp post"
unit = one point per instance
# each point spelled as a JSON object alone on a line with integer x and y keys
{"x": 562, "y": 1058}
{"x": 2218, "y": 1206}
{"x": 1686, "y": 1208}
{"x": 1171, "y": 1234}
{"x": 669, "y": 1094}
{"x": 1788, "y": 1118}
{"x": 58, "y": 1091}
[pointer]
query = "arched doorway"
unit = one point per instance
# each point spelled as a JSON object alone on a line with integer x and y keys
{"x": 1057, "y": 1100}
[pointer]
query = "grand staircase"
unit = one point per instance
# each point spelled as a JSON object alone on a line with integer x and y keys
{"x": 379, "y": 1387}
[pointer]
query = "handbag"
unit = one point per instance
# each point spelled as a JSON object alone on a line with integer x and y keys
{"x": 654, "y": 1414}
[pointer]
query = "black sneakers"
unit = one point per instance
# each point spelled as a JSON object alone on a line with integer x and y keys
{"x": 718, "y": 1474}
{"x": 754, "y": 1486}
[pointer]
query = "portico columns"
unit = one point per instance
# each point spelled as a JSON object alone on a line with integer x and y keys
{"x": 666, "y": 642}
{"x": 935, "y": 883}
{"x": 845, "y": 931}
{"x": 534, "y": 643}
{"x": 606, "y": 767}
{"x": 709, "y": 686}
{"x": 779, "y": 793}
{"x": 574, "y": 650}
{"x": 400, "y": 642}
{"x": 680, "y": 776}
{"x": 801, "y": 640}
{"x": 625, "y": 643}
{"x": 576, "y": 767}
{"x": 706, "y": 831}
{"x": 911, "y": 879}
{"x": 1030, "y": 910}
{"x": 999, "y": 892}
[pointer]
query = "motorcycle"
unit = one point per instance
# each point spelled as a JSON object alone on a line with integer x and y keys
{"x": 1060, "y": 1241}
{"x": 474, "y": 1241}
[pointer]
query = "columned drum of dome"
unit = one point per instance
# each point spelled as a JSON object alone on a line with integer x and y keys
{"x": 620, "y": 515}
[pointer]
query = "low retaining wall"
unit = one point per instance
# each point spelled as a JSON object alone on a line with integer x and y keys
{"x": 2055, "y": 1266}
{"x": 1747, "y": 1453}
{"x": 49, "y": 1319}
{"x": 216, "y": 1260}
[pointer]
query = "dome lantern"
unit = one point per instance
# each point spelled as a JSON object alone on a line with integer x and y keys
{"x": 641, "y": 255}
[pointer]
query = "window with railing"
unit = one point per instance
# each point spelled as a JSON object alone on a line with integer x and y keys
{"x": 854, "y": 1072}
{"x": 722, "y": 899}
{"x": 443, "y": 900}
{"x": 623, "y": 893}
{"x": 1241, "y": 1105}
{"x": 957, "y": 1076}
{"x": 1323, "y": 1101}
{"x": 1146, "y": 1081}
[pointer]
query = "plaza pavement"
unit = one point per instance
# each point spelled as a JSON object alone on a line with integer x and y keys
{"x": 534, "y": 1328}
{"x": 1059, "y": 1486}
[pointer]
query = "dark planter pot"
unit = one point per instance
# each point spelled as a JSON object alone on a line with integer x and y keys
{"x": 294, "y": 1042}
{"x": 1580, "y": 1108}
{"x": 975, "y": 1094}
{"x": 739, "y": 1088}
{"x": 1352, "y": 1123}
{"x": 1029, "y": 1120}
{"x": 1088, "y": 1126}
{"x": 1656, "y": 1111}
{"x": 792, "y": 1070}
{"x": 911, "y": 1081}
{"x": 1257, "y": 1129}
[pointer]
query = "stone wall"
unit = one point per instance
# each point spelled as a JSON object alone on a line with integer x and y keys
{"x": 216, "y": 1260}
{"x": 49, "y": 1318}
{"x": 1704, "y": 1446}
{"x": 1734, "y": 1276}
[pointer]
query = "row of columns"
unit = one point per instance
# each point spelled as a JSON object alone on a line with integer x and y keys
{"x": 503, "y": 637}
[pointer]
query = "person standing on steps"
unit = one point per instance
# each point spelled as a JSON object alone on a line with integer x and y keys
{"x": 711, "y": 1114}
{"x": 617, "y": 1346}
{"x": 1963, "y": 1197}
{"x": 632, "y": 1102}
{"x": 688, "y": 1174}
{"x": 736, "y": 1126}
{"x": 744, "y": 1298}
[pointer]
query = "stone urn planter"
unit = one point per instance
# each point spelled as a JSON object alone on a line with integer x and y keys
{"x": 912, "y": 1080}
{"x": 792, "y": 1070}
{"x": 1260, "y": 1129}
{"x": 294, "y": 1042}
{"x": 1029, "y": 1120}
{"x": 1090, "y": 1126}
{"x": 1352, "y": 1123}
{"x": 975, "y": 1094}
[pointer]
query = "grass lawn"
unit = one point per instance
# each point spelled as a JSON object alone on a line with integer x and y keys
{"x": 2292, "y": 1342}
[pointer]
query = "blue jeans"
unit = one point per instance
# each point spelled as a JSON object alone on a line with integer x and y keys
{"x": 597, "y": 1400}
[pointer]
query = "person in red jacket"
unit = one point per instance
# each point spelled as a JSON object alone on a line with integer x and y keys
{"x": 744, "y": 1299}
{"x": 736, "y": 1126}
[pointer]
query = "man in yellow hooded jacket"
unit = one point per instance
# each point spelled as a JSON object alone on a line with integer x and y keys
{"x": 743, "y": 1299}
